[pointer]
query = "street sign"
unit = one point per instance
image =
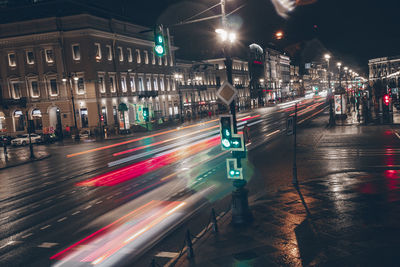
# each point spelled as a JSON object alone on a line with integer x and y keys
{"x": 227, "y": 93}
{"x": 289, "y": 126}
{"x": 232, "y": 170}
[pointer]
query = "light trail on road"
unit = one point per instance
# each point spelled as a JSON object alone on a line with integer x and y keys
{"x": 137, "y": 169}
{"x": 107, "y": 241}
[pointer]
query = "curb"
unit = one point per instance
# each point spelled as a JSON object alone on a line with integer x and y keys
{"x": 25, "y": 162}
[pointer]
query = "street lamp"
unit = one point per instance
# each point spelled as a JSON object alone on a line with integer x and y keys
{"x": 331, "y": 117}
{"x": 339, "y": 64}
{"x": 69, "y": 79}
{"x": 178, "y": 77}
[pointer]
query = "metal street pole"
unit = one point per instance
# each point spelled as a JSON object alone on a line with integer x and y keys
{"x": 28, "y": 128}
{"x": 240, "y": 206}
{"x": 77, "y": 137}
{"x": 331, "y": 116}
{"x": 294, "y": 181}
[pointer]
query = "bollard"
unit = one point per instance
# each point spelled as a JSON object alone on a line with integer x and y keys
{"x": 214, "y": 221}
{"x": 189, "y": 245}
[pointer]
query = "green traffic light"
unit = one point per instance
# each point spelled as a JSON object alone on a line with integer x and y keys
{"x": 159, "y": 50}
{"x": 225, "y": 142}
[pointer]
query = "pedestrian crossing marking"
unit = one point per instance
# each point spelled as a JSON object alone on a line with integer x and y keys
{"x": 166, "y": 254}
{"x": 47, "y": 245}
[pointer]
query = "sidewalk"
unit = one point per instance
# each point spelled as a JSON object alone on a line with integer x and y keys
{"x": 20, "y": 155}
{"x": 353, "y": 217}
{"x": 348, "y": 226}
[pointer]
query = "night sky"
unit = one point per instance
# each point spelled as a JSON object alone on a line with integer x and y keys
{"x": 353, "y": 31}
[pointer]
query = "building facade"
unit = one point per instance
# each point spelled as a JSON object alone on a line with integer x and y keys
{"x": 105, "y": 69}
{"x": 384, "y": 67}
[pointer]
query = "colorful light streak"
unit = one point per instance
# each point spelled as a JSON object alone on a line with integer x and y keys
{"x": 137, "y": 169}
{"x": 107, "y": 241}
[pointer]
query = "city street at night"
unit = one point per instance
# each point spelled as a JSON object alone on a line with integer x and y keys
{"x": 199, "y": 133}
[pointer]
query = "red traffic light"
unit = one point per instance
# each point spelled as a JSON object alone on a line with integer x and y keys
{"x": 386, "y": 100}
{"x": 102, "y": 118}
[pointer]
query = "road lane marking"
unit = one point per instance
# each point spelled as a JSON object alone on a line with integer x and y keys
{"x": 88, "y": 207}
{"x": 10, "y": 243}
{"x": 398, "y": 136}
{"x": 5, "y": 218}
{"x": 166, "y": 254}
{"x": 110, "y": 197}
{"x": 98, "y": 202}
{"x": 45, "y": 227}
{"x": 27, "y": 235}
{"x": 62, "y": 219}
{"x": 76, "y": 212}
{"x": 47, "y": 245}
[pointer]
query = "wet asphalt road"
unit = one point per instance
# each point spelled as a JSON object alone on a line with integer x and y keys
{"x": 44, "y": 210}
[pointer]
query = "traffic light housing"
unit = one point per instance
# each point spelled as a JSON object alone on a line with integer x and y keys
{"x": 386, "y": 100}
{"x": 230, "y": 140}
{"x": 159, "y": 41}
{"x": 146, "y": 114}
{"x": 226, "y": 131}
{"x": 232, "y": 170}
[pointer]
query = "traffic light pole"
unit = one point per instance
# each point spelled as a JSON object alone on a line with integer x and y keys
{"x": 240, "y": 206}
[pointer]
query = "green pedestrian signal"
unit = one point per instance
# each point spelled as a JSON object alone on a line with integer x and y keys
{"x": 159, "y": 41}
{"x": 226, "y": 130}
{"x": 146, "y": 114}
{"x": 232, "y": 170}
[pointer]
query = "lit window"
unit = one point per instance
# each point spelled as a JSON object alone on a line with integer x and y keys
{"x": 102, "y": 87}
{"x": 160, "y": 61}
{"x": 112, "y": 84}
{"x": 80, "y": 86}
{"x": 34, "y": 87}
{"x": 155, "y": 87}
{"x": 123, "y": 84}
{"x": 53, "y": 86}
{"x": 98, "y": 51}
{"x": 146, "y": 57}
{"x": 138, "y": 59}
{"x": 165, "y": 60}
{"x": 76, "y": 52}
{"x": 168, "y": 84}
{"x": 153, "y": 58}
{"x": 12, "y": 62}
{"x": 148, "y": 83}
{"x": 132, "y": 83}
{"x": 140, "y": 81}
{"x": 109, "y": 52}
{"x": 49, "y": 55}
{"x": 120, "y": 54}
{"x": 129, "y": 54}
{"x": 162, "y": 84}
{"x": 30, "y": 58}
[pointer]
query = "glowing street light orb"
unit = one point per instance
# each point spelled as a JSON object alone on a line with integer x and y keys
{"x": 279, "y": 35}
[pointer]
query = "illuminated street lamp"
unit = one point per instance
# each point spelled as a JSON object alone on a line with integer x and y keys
{"x": 69, "y": 78}
{"x": 339, "y": 64}
{"x": 279, "y": 35}
{"x": 226, "y": 35}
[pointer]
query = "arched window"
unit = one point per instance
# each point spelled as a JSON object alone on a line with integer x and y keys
{"x": 19, "y": 120}
{"x": 37, "y": 119}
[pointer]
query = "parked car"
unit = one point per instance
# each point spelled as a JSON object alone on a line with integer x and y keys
{"x": 5, "y": 139}
{"x": 24, "y": 140}
{"x": 48, "y": 138}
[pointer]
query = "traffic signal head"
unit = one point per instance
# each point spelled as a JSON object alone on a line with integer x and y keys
{"x": 102, "y": 118}
{"x": 226, "y": 130}
{"x": 233, "y": 172}
{"x": 386, "y": 100}
{"x": 159, "y": 43}
{"x": 146, "y": 114}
